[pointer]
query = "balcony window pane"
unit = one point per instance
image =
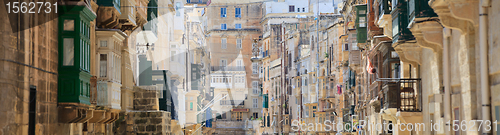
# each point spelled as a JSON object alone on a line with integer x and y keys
{"x": 177, "y": 9}
{"x": 172, "y": 55}
{"x": 362, "y": 12}
{"x": 395, "y": 26}
{"x": 103, "y": 65}
{"x": 69, "y": 25}
{"x": 362, "y": 21}
{"x": 104, "y": 43}
{"x": 69, "y": 52}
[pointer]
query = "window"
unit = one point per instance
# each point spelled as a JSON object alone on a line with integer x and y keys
{"x": 237, "y": 12}
{"x": 222, "y": 12}
{"x": 69, "y": 52}
{"x": 255, "y": 68}
{"x": 223, "y": 43}
{"x": 355, "y": 46}
{"x": 238, "y": 43}
{"x": 395, "y": 26}
{"x": 223, "y": 63}
{"x": 394, "y": 54}
{"x": 298, "y": 9}
{"x": 255, "y": 103}
{"x": 223, "y": 26}
{"x": 177, "y": 7}
{"x": 237, "y": 26}
{"x": 362, "y": 12}
{"x": 104, "y": 43}
{"x": 395, "y": 70}
{"x": 223, "y": 116}
{"x": 255, "y": 87}
{"x": 307, "y": 111}
{"x": 157, "y": 77}
{"x": 103, "y": 65}
{"x": 172, "y": 55}
{"x": 190, "y": 106}
{"x": 239, "y": 63}
{"x": 362, "y": 21}
{"x": 239, "y": 116}
{"x": 291, "y": 8}
{"x": 69, "y": 25}
{"x": 303, "y": 9}
{"x": 255, "y": 115}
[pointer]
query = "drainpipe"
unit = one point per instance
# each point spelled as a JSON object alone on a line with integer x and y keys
{"x": 446, "y": 78}
{"x": 483, "y": 58}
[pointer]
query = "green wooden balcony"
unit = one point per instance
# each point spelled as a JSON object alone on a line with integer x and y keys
{"x": 361, "y": 23}
{"x": 110, "y": 3}
{"x": 419, "y": 9}
{"x": 400, "y": 22}
{"x": 74, "y": 54}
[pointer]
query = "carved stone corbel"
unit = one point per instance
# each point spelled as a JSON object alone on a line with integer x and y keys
{"x": 409, "y": 52}
{"x": 457, "y": 14}
{"x": 429, "y": 34}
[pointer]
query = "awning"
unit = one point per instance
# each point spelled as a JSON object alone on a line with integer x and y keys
{"x": 239, "y": 110}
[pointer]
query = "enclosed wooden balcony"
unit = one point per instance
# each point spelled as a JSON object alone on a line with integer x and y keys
{"x": 419, "y": 9}
{"x": 400, "y": 31}
{"x": 128, "y": 15}
{"x": 383, "y": 17}
{"x": 108, "y": 13}
{"x": 403, "y": 94}
{"x": 141, "y": 14}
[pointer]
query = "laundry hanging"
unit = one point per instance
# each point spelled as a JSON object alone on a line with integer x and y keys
{"x": 369, "y": 67}
{"x": 339, "y": 89}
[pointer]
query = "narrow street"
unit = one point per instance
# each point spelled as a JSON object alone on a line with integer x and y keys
{"x": 249, "y": 67}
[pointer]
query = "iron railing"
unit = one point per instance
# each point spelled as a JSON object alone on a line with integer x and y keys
{"x": 404, "y": 94}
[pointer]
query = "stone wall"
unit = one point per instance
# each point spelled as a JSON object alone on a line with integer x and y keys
{"x": 229, "y": 127}
{"x": 145, "y": 98}
{"x": 28, "y": 56}
{"x": 148, "y": 122}
{"x": 146, "y": 119}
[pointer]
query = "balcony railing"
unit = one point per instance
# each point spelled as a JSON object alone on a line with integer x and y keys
{"x": 232, "y": 102}
{"x": 404, "y": 94}
{"x": 228, "y": 68}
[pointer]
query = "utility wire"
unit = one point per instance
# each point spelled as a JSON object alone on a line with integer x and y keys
{"x": 203, "y": 6}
